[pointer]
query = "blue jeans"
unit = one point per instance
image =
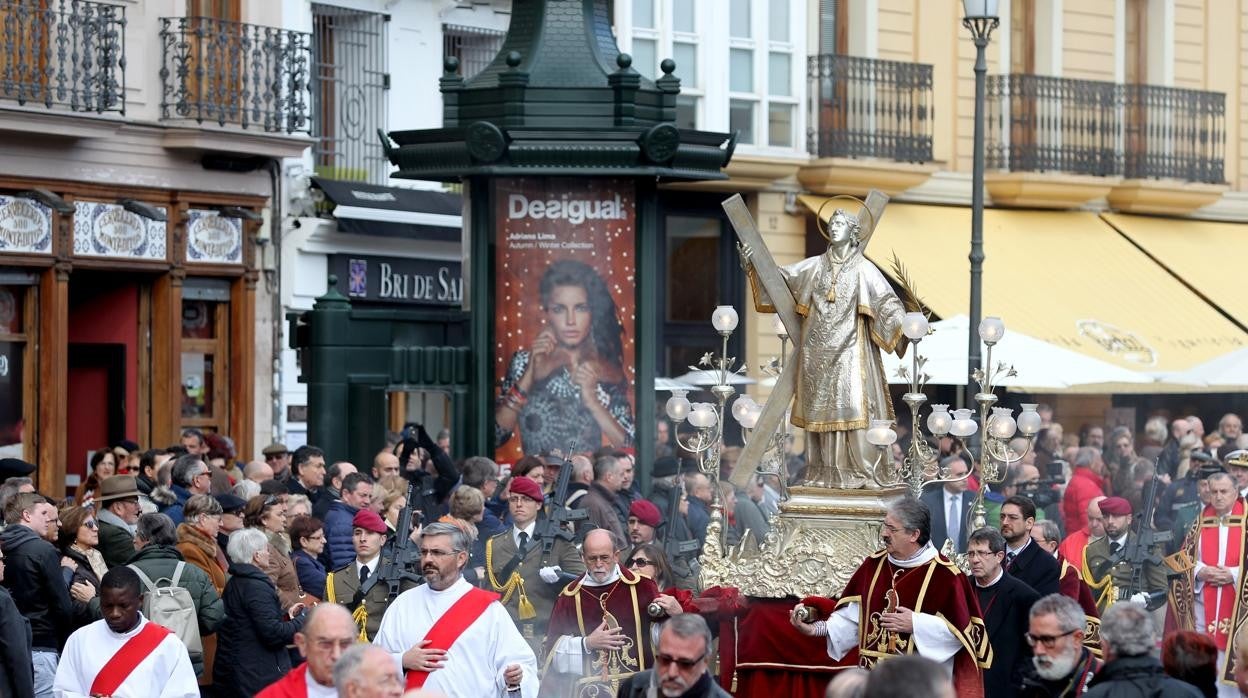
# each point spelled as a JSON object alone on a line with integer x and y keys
{"x": 45, "y": 672}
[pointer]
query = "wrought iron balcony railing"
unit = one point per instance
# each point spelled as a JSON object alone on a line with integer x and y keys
{"x": 865, "y": 107}
{"x": 63, "y": 54}
{"x": 1037, "y": 123}
{"x": 234, "y": 74}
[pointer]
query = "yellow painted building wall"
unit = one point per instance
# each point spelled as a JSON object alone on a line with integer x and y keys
{"x": 1189, "y": 43}
{"x": 1088, "y": 40}
{"x": 896, "y": 30}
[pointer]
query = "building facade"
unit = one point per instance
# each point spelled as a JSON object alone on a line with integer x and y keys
{"x": 140, "y": 146}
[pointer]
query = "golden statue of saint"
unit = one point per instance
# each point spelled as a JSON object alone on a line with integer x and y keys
{"x": 848, "y": 313}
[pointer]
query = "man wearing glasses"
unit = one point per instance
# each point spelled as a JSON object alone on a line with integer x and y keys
{"x": 452, "y": 637}
{"x": 119, "y": 499}
{"x": 190, "y": 476}
{"x": 599, "y": 631}
{"x": 680, "y": 663}
{"x": 905, "y": 599}
{"x": 1061, "y": 667}
{"x": 1004, "y": 601}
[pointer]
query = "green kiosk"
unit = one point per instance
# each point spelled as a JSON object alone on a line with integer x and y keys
{"x": 560, "y": 146}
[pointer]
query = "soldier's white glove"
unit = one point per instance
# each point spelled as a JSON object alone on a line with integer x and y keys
{"x": 550, "y": 575}
{"x": 1139, "y": 598}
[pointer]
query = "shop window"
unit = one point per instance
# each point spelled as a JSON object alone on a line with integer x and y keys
{"x": 205, "y": 347}
{"x": 16, "y": 325}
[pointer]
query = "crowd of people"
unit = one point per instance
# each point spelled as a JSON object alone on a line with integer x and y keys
{"x": 182, "y": 571}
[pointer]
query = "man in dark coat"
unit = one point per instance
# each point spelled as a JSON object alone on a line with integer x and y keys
{"x": 602, "y": 502}
{"x": 1024, "y": 560}
{"x": 1004, "y": 602}
{"x": 1128, "y": 639}
{"x": 118, "y": 500}
{"x": 1062, "y": 667}
{"x": 16, "y": 673}
{"x": 357, "y": 493}
{"x": 34, "y": 578}
{"x": 951, "y": 498}
{"x": 681, "y": 661}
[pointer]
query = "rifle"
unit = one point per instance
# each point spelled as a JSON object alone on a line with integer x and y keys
{"x": 551, "y": 526}
{"x": 675, "y": 548}
{"x": 404, "y": 556}
{"x": 1140, "y": 546}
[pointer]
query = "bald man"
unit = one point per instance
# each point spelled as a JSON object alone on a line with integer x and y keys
{"x": 328, "y": 632}
{"x": 581, "y": 636}
{"x": 258, "y": 471}
{"x": 385, "y": 464}
{"x": 1074, "y": 543}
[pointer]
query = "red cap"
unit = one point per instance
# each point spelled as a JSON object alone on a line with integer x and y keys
{"x": 646, "y": 512}
{"x": 1115, "y": 506}
{"x": 528, "y": 487}
{"x": 368, "y": 520}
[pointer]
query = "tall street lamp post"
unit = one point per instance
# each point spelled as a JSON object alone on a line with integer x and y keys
{"x": 980, "y": 16}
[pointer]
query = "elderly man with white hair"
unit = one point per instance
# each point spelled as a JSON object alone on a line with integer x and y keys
{"x": 367, "y": 671}
{"x": 1128, "y": 640}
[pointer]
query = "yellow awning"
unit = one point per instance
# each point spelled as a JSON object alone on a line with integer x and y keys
{"x": 1207, "y": 255}
{"x": 1064, "y": 277}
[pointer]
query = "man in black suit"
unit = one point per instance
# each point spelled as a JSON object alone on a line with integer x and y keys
{"x": 952, "y": 498}
{"x": 1004, "y": 603}
{"x": 1024, "y": 559}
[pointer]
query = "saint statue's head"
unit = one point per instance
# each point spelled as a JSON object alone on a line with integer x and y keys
{"x": 843, "y": 228}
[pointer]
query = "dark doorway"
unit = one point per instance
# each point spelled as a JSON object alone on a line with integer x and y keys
{"x": 97, "y": 400}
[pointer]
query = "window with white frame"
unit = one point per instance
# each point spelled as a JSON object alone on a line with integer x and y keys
{"x": 669, "y": 29}
{"x": 762, "y": 99}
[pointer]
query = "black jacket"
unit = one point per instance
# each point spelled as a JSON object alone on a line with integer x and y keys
{"x": 1137, "y": 677}
{"x": 33, "y": 576}
{"x": 636, "y": 686}
{"x": 251, "y": 645}
{"x": 1005, "y": 607}
{"x": 17, "y": 678}
{"x": 84, "y": 613}
{"x": 1069, "y": 686}
{"x": 1036, "y": 568}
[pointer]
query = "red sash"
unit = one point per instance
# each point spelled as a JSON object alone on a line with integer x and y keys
{"x": 451, "y": 625}
{"x": 122, "y": 664}
{"x": 1220, "y": 601}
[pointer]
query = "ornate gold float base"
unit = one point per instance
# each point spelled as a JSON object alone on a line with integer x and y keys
{"x": 816, "y": 543}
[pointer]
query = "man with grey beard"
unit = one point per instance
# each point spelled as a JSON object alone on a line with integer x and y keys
{"x": 1061, "y": 666}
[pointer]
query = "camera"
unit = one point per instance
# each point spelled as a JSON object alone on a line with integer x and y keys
{"x": 1041, "y": 492}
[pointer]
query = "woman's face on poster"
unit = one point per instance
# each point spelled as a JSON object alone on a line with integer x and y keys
{"x": 568, "y": 314}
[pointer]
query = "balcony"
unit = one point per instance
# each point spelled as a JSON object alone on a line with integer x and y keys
{"x": 870, "y": 124}
{"x": 1059, "y": 142}
{"x": 234, "y": 80}
{"x": 66, "y": 56}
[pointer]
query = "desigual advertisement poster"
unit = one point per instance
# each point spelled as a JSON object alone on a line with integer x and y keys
{"x": 565, "y": 314}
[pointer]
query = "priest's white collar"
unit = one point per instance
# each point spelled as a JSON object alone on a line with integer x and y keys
{"x": 589, "y": 581}
{"x": 925, "y": 555}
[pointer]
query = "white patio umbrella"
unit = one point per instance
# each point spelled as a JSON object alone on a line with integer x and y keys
{"x": 672, "y": 384}
{"x": 711, "y": 377}
{"x": 1230, "y": 369}
{"x": 1039, "y": 364}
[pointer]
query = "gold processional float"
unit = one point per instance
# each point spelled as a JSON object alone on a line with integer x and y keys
{"x": 840, "y": 312}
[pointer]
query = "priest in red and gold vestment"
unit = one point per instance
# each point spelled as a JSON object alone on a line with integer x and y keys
{"x": 599, "y": 632}
{"x": 1203, "y": 597}
{"x": 907, "y": 599}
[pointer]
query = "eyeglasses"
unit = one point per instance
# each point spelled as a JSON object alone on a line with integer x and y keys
{"x": 640, "y": 561}
{"x": 894, "y": 529}
{"x": 1049, "y": 641}
{"x": 89, "y": 524}
{"x": 271, "y": 500}
{"x": 202, "y": 473}
{"x": 436, "y": 554}
{"x": 668, "y": 660}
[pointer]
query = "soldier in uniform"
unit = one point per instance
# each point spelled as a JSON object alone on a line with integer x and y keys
{"x": 1108, "y": 572}
{"x": 1182, "y": 501}
{"x": 358, "y": 584}
{"x": 515, "y": 567}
